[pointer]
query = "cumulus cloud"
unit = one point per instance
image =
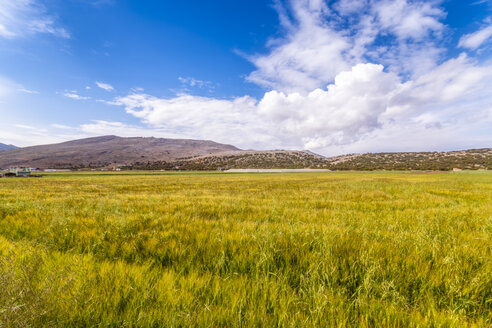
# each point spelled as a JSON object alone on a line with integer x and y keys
{"x": 340, "y": 114}
{"x": 24, "y": 17}
{"x": 105, "y": 86}
{"x": 476, "y": 39}
{"x": 358, "y": 105}
{"x": 203, "y": 117}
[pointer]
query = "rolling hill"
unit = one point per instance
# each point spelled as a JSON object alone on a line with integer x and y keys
{"x": 472, "y": 159}
{"x": 187, "y": 154}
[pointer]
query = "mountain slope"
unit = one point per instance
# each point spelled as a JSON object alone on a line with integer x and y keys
{"x": 107, "y": 150}
{"x": 4, "y": 147}
{"x": 184, "y": 154}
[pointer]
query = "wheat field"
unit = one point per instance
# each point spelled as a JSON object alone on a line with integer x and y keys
{"x": 331, "y": 249}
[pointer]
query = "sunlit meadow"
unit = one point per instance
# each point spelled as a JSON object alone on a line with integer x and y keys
{"x": 332, "y": 249}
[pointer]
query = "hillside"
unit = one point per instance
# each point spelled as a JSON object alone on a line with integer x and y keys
{"x": 108, "y": 150}
{"x": 184, "y": 154}
{"x": 467, "y": 159}
{"x": 4, "y": 147}
{"x": 284, "y": 159}
{"x": 471, "y": 159}
{"x": 287, "y": 159}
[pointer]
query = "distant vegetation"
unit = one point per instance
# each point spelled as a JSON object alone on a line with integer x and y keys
{"x": 111, "y": 152}
{"x": 333, "y": 249}
{"x": 267, "y": 159}
{"x": 474, "y": 159}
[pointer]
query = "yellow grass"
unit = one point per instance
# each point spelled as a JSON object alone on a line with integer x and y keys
{"x": 333, "y": 249}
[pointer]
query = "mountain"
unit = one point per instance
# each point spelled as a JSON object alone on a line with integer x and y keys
{"x": 108, "y": 150}
{"x": 4, "y": 147}
{"x": 185, "y": 154}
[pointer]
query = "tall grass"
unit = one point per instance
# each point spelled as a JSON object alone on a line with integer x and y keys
{"x": 312, "y": 249}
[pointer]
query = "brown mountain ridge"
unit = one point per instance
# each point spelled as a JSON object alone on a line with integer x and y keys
{"x": 108, "y": 150}
{"x": 187, "y": 154}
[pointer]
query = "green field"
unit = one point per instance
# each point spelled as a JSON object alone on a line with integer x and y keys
{"x": 334, "y": 249}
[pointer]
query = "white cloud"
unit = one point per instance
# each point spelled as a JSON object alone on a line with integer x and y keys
{"x": 192, "y": 82}
{"x": 340, "y": 114}
{"x": 61, "y": 126}
{"x": 192, "y": 116}
{"x": 23, "y": 135}
{"x": 24, "y": 17}
{"x": 321, "y": 40}
{"x": 362, "y": 103}
{"x": 409, "y": 19}
{"x": 476, "y": 39}
{"x": 311, "y": 54}
{"x": 105, "y": 86}
{"x": 23, "y": 126}
{"x": 416, "y": 137}
{"x": 349, "y": 7}
{"x": 100, "y": 127}
{"x": 10, "y": 87}
{"x": 28, "y": 135}
{"x": 22, "y": 89}
{"x": 75, "y": 96}
{"x": 479, "y": 2}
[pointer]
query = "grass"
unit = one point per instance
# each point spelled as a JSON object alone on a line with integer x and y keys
{"x": 335, "y": 249}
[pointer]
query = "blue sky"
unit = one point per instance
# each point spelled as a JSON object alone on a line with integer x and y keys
{"x": 331, "y": 76}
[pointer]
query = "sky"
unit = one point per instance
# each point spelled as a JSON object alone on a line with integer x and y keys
{"x": 331, "y": 76}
